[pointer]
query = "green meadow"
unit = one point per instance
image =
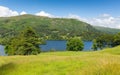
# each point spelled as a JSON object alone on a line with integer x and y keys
{"x": 104, "y": 62}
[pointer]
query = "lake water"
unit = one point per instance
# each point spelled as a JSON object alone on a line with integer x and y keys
{"x": 61, "y": 45}
{"x": 54, "y": 45}
{"x": 2, "y": 50}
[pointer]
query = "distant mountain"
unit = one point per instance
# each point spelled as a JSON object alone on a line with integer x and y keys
{"x": 107, "y": 30}
{"x": 49, "y": 28}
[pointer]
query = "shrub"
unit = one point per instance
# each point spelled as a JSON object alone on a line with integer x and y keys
{"x": 75, "y": 44}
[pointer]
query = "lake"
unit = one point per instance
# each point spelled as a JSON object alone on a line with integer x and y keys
{"x": 54, "y": 45}
{"x": 61, "y": 45}
{"x": 2, "y": 50}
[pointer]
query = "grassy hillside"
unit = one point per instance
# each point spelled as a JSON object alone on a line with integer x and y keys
{"x": 105, "y": 62}
{"x": 52, "y": 28}
{"x": 107, "y": 30}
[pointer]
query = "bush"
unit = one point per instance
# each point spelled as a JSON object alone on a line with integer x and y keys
{"x": 75, "y": 44}
{"x": 94, "y": 45}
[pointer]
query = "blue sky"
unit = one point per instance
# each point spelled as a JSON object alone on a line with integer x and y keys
{"x": 96, "y": 12}
{"x": 84, "y": 8}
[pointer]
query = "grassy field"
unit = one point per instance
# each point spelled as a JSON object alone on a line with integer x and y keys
{"x": 105, "y": 62}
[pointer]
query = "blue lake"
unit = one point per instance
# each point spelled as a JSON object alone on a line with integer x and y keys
{"x": 54, "y": 45}
{"x": 2, "y": 50}
{"x": 61, "y": 45}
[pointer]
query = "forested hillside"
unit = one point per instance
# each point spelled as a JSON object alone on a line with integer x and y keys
{"x": 49, "y": 28}
{"x": 107, "y": 30}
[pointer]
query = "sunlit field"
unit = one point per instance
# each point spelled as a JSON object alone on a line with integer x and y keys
{"x": 104, "y": 62}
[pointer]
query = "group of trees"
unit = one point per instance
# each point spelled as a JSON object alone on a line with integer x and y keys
{"x": 105, "y": 41}
{"x": 17, "y": 42}
{"x": 52, "y": 28}
{"x": 26, "y": 43}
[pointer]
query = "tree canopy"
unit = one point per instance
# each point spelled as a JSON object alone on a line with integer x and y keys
{"x": 106, "y": 41}
{"x": 75, "y": 44}
{"x": 26, "y": 43}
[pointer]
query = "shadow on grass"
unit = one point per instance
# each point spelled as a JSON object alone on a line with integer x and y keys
{"x": 7, "y": 68}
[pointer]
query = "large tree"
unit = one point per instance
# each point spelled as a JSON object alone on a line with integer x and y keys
{"x": 116, "y": 40}
{"x": 103, "y": 41}
{"x": 75, "y": 44}
{"x": 26, "y": 43}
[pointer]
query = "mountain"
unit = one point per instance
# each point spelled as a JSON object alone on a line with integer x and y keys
{"x": 107, "y": 30}
{"x": 49, "y": 28}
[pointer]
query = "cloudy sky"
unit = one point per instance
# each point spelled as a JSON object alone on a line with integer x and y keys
{"x": 96, "y": 12}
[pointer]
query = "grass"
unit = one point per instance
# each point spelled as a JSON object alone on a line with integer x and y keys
{"x": 105, "y": 62}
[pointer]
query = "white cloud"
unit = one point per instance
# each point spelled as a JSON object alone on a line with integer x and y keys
{"x": 23, "y": 13}
{"x": 75, "y": 17}
{"x": 43, "y": 13}
{"x": 6, "y": 12}
{"x": 104, "y": 20}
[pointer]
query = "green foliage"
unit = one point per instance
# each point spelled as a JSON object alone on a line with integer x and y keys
{"x": 47, "y": 28}
{"x": 102, "y": 62}
{"x": 26, "y": 43}
{"x": 107, "y": 30}
{"x": 75, "y": 44}
{"x": 94, "y": 46}
{"x": 117, "y": 39}
{"x": 104, "y": 41}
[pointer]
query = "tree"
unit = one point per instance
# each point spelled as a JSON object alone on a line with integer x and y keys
{"x": 94, "y": 46}
{"x": 26, "y": 43}
{"x": 104, "y": 41}
{"x": 116, "y": 40}
{"x": 75, "y": 44}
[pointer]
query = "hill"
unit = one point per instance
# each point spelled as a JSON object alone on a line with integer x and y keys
{"x": 105, "y": 62}
{"x": 107, "y": 30}
{"x": 51, "y": 28}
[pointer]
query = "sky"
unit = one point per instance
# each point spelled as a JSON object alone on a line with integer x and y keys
{"x": 95, "y": 12}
